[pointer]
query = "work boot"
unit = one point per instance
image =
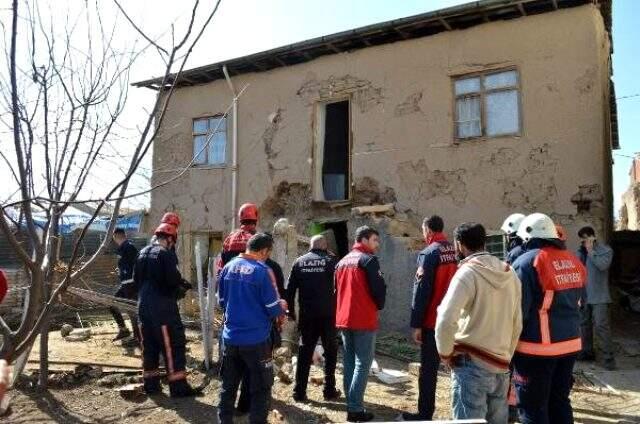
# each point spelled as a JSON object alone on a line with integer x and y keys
{"x": 359, "y": 417}
{"x": 152, "y": 386}
{"x": 300, "y": 398}
{"x": 408, "y": 416}
{"x": 610, "y": 364}
{"x": 332, "y": 394}
{"x": 181, "y": 388}
{"x": 586, "y": 356}
{"x": 123, "y": 333}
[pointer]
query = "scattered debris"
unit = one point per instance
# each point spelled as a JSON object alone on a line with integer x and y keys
{"x": 66, "y": 329}
{"x": 79, "y": 335}
{"x": 131, "y": 391}
{"x": 318, "y": 381}
{"x": 388, "y": 376}
{"x": 387, "y": 209}
{"x": 414, "y": 368}
{"x": 276, "y": 416}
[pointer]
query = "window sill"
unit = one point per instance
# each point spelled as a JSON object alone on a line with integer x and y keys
{"x": 471, "y": 140}
{"x": 208, "y": 167}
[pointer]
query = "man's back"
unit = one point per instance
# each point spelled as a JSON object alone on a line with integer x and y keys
{"x": 250, "y": 300}
{"x": 313, "y": 275}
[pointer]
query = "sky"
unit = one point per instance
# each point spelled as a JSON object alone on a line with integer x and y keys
{"x": 242, "y": 27}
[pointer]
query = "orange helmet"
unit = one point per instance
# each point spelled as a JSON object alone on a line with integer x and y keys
{"x": 171, "y": 218}
{"x": 562, "y": 234}
{"x": 248, "y": 212}
{"x": 167, "y": 229}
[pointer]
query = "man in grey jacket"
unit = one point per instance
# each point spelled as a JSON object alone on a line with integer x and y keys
{"x": 597, "y": 257}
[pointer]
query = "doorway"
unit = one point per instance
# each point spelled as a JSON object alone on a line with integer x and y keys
{"x": 341, "y": 235}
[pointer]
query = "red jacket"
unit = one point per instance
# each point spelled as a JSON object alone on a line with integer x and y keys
{"x": 360, "y": 290}
{"x": 436, "y": 265}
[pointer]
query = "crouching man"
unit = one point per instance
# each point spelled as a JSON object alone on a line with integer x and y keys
{"x": 249, "y": 298}
{"x": 477, "y": 328}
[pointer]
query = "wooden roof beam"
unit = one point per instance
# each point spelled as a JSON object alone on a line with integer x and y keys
{"x": 333, "y": 48}
{"x": 555, "y": 4}
{"x": 444, "y": 22}
{"x": 521, "y": 9}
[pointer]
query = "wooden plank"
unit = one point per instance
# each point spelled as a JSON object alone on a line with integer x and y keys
{"x": 361, "y": 210}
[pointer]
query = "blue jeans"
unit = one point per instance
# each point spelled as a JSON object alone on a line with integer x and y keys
{"x": 359, "y": 347}
{"x": 479, "y": 393}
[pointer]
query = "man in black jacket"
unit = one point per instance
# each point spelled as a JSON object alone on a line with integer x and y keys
{"x": 160, "y": 285}
{"x": 313, "y": 275}
{"x": 127, "y": 254}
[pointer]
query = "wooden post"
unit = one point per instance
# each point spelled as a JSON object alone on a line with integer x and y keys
{"x": 203, "y": 307}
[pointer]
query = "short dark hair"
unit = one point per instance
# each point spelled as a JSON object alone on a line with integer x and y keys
{"x": 471, "y": 235}
{"x": 587, "y": 231}
{"x": 434, "y": 223}
{"x": 260, "y": 241}
{"x": 365, "y": 232}
{"x": 119, "y": 232}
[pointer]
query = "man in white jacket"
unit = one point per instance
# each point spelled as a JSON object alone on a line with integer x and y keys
{"x": 477, "y": 328}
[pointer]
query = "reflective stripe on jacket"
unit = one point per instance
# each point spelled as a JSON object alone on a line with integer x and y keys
{"x": 552, "y": 281}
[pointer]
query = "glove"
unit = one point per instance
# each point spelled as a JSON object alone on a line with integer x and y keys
{"x": 182, "y": 289}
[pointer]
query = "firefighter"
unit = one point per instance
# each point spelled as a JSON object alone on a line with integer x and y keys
{"x": 234, "y": 245}
{"x": 552, "y": 283}
{"x": 313, "y": 274}
{"x": 437, "y": 263}
{"x": 160, "y": 286}
{"x": 514, "y": 242}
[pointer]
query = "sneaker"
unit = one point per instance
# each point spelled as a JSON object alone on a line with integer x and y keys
{"x": 123, "y": 333}
{"x": 359, "y": 417}
{"x": 586, "y": 356}
{"x": 610, "y": 365}
{"x": 300, "y": 398}
{"x": 332, "y": 394}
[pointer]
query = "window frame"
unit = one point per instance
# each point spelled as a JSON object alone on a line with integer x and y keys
{"x": 195, "y": 134}
{"x": 482, "y": 95}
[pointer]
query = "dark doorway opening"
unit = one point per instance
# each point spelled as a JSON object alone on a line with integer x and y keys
{"x": 341, "y": 234}
{"x": 335, "y": 164}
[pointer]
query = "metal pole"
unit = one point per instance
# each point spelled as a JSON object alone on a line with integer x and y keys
{"x": 203, "y": 306}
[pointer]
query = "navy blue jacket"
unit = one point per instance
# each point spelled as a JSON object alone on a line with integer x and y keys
{"x": 127, "y": 255}
{"x": 514, "y": 250}
{"x": 552, "y": 281}
{"x": 313, "y": 274}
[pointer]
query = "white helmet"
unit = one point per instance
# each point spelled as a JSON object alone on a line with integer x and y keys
{"x": 512, "y": 223}
{"x": 537, "y": 225}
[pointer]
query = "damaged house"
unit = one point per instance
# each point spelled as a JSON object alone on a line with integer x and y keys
{"x": 472, "y": 112}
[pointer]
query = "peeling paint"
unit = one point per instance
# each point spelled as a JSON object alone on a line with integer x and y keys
{"x": 584, "y": 84}
{"x": 364, "y": 94}
{"x": 588, "y": 197}
{"x": 534, "y": 187}
{"x": 367, "y": 191}
{"x": 410, "y": 105}
{"x": 267, "y": 139}
{"x": 420, "y": 183}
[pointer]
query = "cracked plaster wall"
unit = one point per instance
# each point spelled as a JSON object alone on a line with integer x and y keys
{"x": 402, "y": 131}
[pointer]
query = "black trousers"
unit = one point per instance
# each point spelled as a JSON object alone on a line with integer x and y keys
{"x": 124, "y": 292}
{"x": 256, "y": 362}
{"x": 311, "y": 330}
{"x": 168, "y": 340}
{"x": 543, "y": 385}
{"x": 429, "y": 364}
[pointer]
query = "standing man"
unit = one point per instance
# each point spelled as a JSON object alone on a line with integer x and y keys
{"x": 127, "y": 255}
{"x": 250, "y": 301}
{"x": 160, "y": 285}
{"x": 436, "y": 265}
{"x": 515, "y": 246}
{"x": 477, "y": 328}
{"x": 313, "y": 274}
{"x": 552, "y": 282}
{"x": 597, "y": 257}
{"x": 361, "y": 293}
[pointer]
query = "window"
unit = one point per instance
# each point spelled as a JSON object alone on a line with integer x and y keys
{"x": 212, "y": 129}
{"x": 495, "y": 245}
{"x": 332, "y": 152}
{"x": 487, "y": 105}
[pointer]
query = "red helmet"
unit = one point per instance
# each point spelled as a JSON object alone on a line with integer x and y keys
{"x": 167, "y": 229}
{"x": 248, "y": 212}
{"x": 171, "y": 218}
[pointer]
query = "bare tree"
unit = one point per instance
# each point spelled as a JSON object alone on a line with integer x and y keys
{"x": 64, "y": 103}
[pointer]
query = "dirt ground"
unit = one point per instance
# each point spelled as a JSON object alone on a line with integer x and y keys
{"x": 599, "y": 396}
